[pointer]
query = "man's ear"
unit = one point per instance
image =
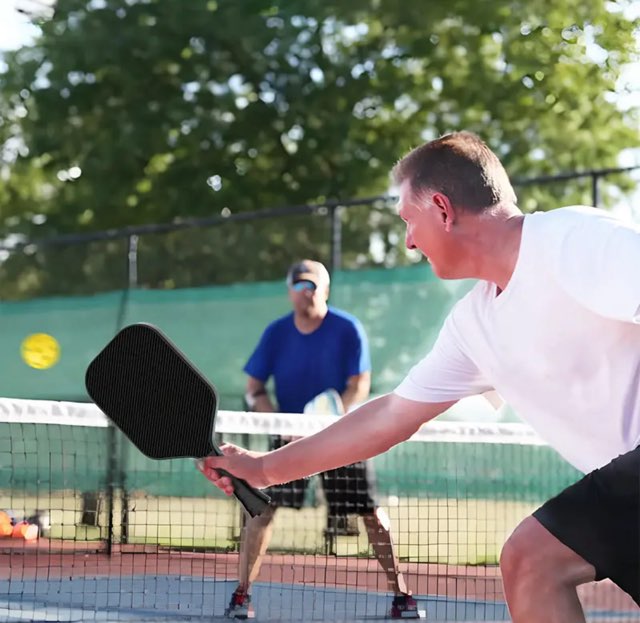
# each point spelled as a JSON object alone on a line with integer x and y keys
{"x": 447, "y": 211}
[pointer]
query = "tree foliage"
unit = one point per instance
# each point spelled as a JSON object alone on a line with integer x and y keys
{"x": 127, "y": 112}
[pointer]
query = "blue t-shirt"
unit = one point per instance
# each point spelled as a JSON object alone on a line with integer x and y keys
{"x": 305, "y": 365}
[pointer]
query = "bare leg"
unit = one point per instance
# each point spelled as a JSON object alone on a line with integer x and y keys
{"x": 377, "y": 525}
{"x": 540, "y": 576}
{"x": 254, "y": 540}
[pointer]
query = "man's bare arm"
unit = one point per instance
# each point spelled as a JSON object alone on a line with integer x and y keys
{"x": 357, "y": 390}
{"x": 257, "y": 397}
{"x": 367, "y": 431}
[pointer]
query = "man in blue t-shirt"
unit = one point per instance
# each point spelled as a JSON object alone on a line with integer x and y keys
{"x": 310, "y": 351}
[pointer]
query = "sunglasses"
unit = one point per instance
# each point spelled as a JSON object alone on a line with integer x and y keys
{"x": 300, "y": 286}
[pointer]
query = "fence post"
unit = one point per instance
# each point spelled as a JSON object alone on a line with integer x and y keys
{"x": 335, "y": 216}
{"x": 132, "y": 261}
{"x": 594, "y": 189}
{"x": 132, "y": 278}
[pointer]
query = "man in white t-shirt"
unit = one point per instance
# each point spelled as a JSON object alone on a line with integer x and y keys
{"x": 553, "y": 325}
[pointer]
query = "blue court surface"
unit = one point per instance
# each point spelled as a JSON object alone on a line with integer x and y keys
{"x": 175, "y": 598}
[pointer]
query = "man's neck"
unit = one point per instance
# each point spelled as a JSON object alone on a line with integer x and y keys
{"x": 309, "y": 322}
{"x": 497, "y": 250}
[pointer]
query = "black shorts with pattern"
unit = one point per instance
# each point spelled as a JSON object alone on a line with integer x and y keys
{"x": 348, "y": 490}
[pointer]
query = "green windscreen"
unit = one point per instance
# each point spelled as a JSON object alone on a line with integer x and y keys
{"x": 217, "y": 327}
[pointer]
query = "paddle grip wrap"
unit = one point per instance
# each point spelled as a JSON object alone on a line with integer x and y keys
{"x": 253, "y": 500}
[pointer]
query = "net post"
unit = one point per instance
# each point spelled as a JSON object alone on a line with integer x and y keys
{"x": 124, "y": 494}
{"x": 111, "y": 469}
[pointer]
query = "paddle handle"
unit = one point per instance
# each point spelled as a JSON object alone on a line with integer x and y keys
{"x": 253, "y": 500}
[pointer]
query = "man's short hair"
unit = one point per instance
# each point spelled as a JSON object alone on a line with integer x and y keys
{"x": 462, "y": 167}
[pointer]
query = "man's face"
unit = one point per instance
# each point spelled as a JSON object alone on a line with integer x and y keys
{"x": 427, "y": 231}
{"x": 305, "y": 295}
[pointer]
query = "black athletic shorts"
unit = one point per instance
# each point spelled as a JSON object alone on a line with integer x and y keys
{"x": 598, "y": 517}
{"x": 349, "y": 490}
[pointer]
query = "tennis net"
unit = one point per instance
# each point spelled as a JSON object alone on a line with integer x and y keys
{"x": 120, "y": 537}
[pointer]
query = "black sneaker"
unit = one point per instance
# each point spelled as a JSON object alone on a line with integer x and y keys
{"x": 240, "y": 606}
{"x": 405, "y": 607}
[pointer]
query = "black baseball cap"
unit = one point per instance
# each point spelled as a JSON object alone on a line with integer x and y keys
{"x": 308, "y": 270}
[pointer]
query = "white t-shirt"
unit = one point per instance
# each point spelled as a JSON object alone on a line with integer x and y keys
{"x": 561, "y": 343}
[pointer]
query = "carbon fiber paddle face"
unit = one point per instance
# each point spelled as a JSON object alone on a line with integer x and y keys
{"x": 154, "y": 395}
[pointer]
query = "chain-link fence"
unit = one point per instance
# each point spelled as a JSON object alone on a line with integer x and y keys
{"x": 258, "y": 246}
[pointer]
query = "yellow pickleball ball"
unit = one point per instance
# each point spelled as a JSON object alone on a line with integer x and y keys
{"x": 40, "y": 351}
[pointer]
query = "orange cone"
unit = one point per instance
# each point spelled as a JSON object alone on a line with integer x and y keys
{"x": 25, "y": 530}
{"x": 6, "y": 529}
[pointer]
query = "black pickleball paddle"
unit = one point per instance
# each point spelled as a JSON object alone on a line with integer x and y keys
{"x": 160, "y": 401}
